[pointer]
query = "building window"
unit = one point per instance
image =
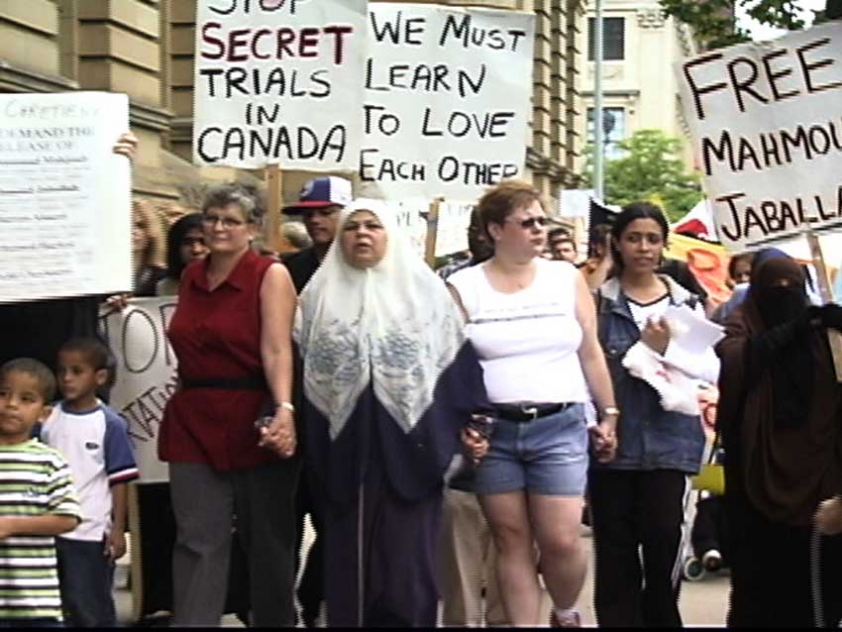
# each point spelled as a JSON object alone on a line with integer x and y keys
{"x": 613, "y": 130}
{"x": 613, "y": 38}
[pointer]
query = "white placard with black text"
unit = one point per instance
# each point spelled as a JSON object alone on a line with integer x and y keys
{"x": 279, "y": 82}
{"x": 767, "y": 128}
{"x": 65, "y": 197}
{"x": 146, "y": 376}
{"x": 447, "y": 104}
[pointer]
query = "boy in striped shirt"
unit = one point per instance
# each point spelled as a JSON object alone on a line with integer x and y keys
{"x": 94, "y": 440}
{"x": 37, "y": 500}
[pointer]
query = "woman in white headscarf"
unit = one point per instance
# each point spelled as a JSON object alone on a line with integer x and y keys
{"x": 389, "y": 380}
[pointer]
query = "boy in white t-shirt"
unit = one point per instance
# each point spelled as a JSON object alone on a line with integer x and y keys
{"x": 94, "y": 440}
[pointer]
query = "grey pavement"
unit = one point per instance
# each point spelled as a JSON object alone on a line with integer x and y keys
{"x": 702, "y": 603}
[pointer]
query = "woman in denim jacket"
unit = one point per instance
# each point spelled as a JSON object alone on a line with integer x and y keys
{"x": 637, "y": 501}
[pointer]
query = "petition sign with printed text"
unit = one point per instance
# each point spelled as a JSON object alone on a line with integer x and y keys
{"x": 65, "y": 197}
{"x": 447, "y": 100}
{"x": 279, "y": 82}
{"x": 146, "y": 376}
{"x": 767, "y": 126}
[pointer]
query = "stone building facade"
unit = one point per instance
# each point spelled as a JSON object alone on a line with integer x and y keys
{"x": 641, "y": 48}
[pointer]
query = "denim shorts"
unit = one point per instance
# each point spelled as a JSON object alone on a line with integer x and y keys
{"x": 547, "y": 456}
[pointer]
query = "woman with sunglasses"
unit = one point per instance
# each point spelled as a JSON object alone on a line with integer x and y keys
{"x": 533, "y": 324}
{"x": 228, "y": 431}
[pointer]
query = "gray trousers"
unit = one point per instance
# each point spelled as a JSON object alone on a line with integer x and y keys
{"x": 204, "y": 503}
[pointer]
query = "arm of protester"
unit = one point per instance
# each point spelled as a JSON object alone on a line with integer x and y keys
{"x": 61, "y": 515}
{"x": 596, "y": 373}
{"x": 46, "y": 524}
{"x": 458, "y": 299}
{"x": 116, "y": 545}
{"x": 277, "y": 310}
{"x": 121, "y": 467}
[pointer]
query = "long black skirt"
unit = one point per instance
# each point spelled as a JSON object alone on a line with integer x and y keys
{"x": 772, "y": 570}
{"x": 380, "y": 556}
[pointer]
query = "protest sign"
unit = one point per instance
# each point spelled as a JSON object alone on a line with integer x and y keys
{"x": 146, "y": 376}
{"x": 411, "y": 215}
{"x": 767, "y": 127}
{"x": 447, "y": 101}
{"x": 279, "y": 82}
{"x": 574, "y": 202}
{"x": 64, "y": 196}
{"x": 452, "y": 233}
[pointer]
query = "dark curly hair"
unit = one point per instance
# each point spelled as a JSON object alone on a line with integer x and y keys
{"x": 178, "y": 231}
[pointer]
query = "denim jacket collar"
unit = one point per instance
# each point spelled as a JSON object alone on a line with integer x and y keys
{"x": 613, "y": 299}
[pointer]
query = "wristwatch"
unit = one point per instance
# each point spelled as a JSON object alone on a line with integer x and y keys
{"x": 610, "y": 411}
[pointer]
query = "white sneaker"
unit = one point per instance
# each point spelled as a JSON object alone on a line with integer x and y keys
{"x": 712, "y": 560}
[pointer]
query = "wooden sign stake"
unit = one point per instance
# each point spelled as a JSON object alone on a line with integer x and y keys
{"x": 432, "y": 231}
{"x": 271, "y": 228}
{"x": 834, "y": 337}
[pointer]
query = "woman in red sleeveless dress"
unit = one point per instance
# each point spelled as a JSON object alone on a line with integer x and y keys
{"x": 231, "y": 333}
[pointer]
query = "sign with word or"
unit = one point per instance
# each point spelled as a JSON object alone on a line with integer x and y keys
{"x": 279, "y": 82}
{"x": 447, "y": 102}
{"x": 65, "y": 222}
{"x": 146, "y": 376}
{"x": 767, "y": 126}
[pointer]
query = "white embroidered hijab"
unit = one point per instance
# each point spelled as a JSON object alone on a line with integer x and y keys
{"x": 394, "y": 324}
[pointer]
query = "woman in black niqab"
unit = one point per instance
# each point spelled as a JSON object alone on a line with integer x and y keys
{"x": 780, "y": 422}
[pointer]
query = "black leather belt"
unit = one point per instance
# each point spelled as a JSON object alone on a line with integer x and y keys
{"x": 251, "y": 383}
{"x": 521, "y": 413}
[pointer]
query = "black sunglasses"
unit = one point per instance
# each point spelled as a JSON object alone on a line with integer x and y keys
{"x": 532, "y": 221}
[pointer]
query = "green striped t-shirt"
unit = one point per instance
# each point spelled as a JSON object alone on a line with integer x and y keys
{"x": 34, "y": 481}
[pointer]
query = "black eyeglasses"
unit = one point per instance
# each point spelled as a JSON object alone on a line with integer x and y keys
{"x": 531, "y": 222}
{"x": 227, "y": 222}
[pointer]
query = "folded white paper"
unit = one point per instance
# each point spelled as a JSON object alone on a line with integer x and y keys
{"x": 690, "y": 331}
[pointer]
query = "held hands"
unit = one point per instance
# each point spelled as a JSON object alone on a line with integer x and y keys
{"x": 656, "y": 335}
{"x": 279, "y": 435}
{"x": 115, "y": 545}
{"x": 474, "y": 444}
{"x": 828, "y": 517}
{"x": 604, "y": 439}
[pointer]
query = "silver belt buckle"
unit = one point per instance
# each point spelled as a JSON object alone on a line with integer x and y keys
{"x": 532, "y": 410}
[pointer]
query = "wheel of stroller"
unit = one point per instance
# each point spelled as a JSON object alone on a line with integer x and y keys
{"x": 693, "y": 569}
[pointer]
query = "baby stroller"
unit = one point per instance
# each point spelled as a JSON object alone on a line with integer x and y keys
{"x": 707, "y": 537}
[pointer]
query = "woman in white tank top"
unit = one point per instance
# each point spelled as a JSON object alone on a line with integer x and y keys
{"x": 532, "y": 322}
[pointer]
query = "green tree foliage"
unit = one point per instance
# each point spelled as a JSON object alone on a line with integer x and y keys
{"x": 713, "y": 20}
{"x": 651, "y": 169}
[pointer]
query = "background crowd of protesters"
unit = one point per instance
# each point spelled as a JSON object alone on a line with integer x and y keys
{"x": 442, "y": 431}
